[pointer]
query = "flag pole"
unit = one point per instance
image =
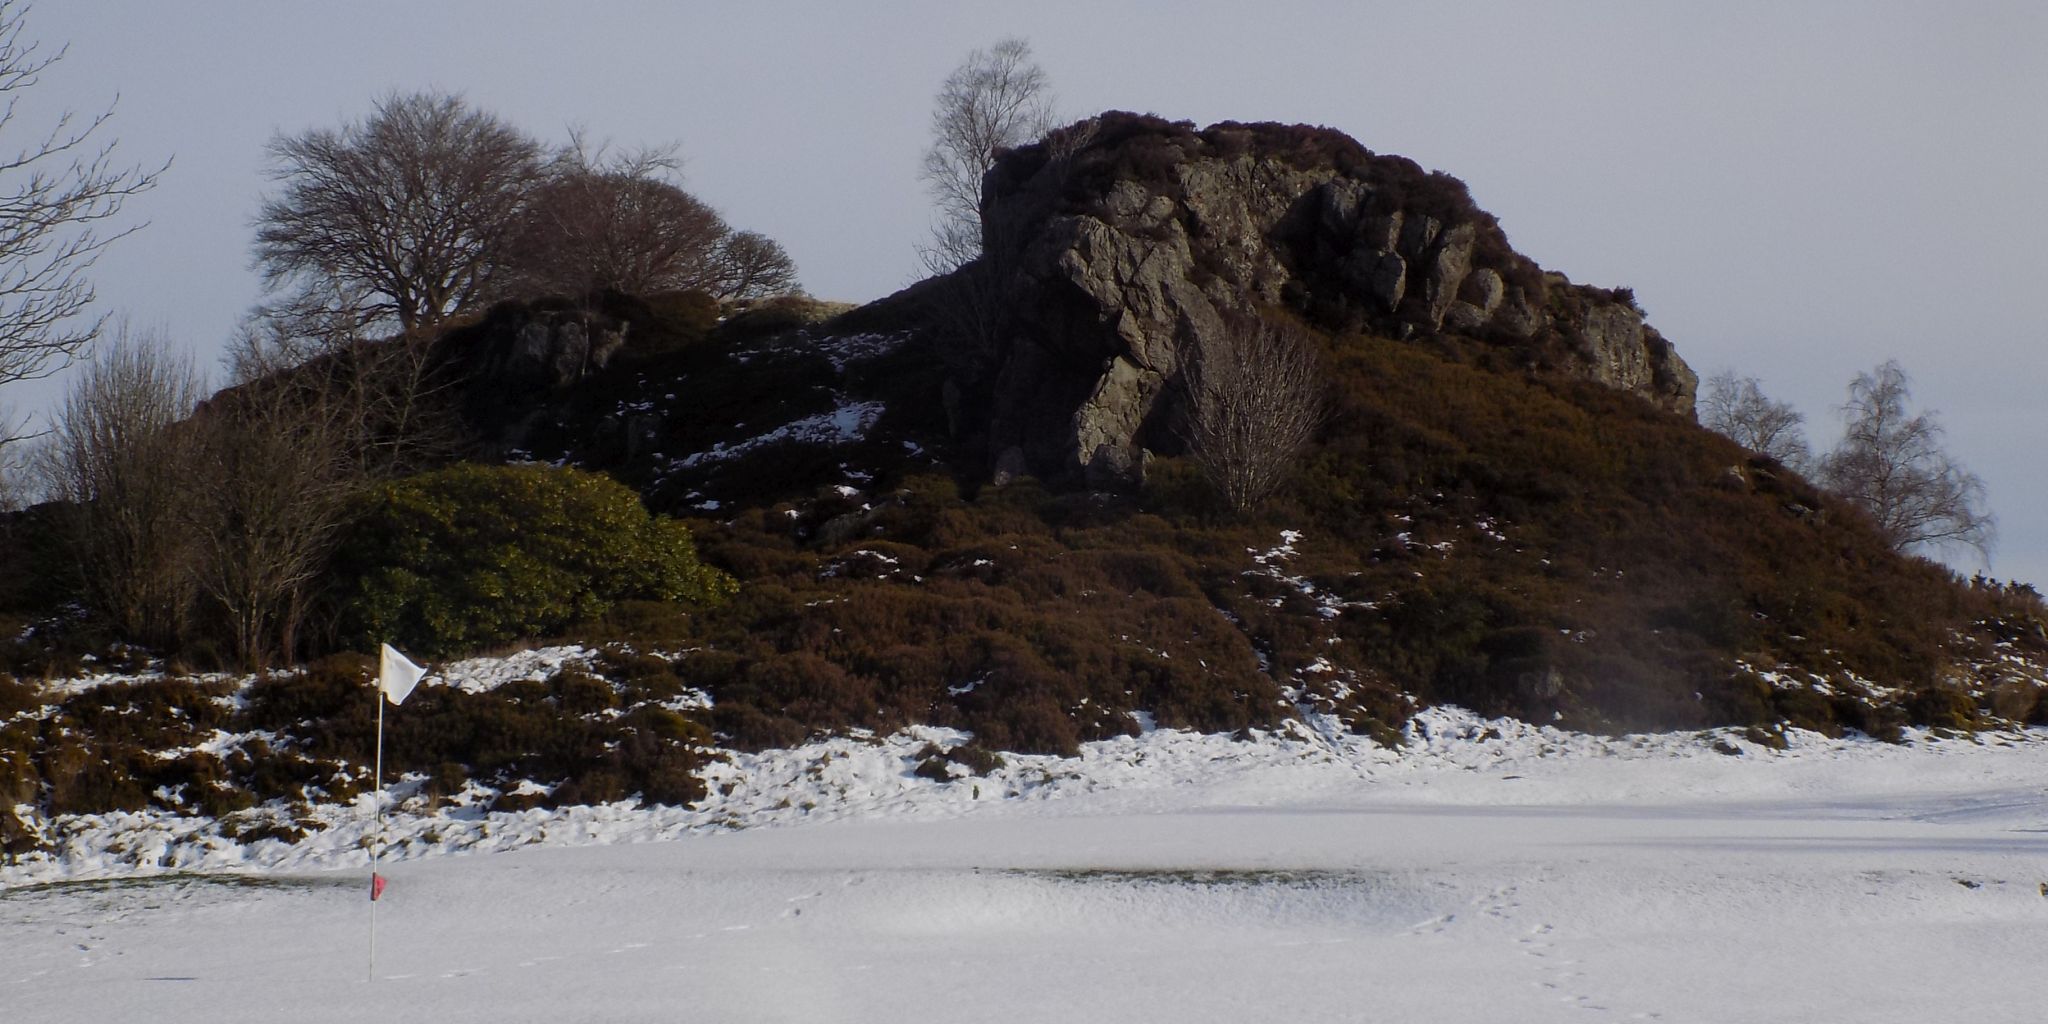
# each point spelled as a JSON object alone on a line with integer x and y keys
{"x": 396, "y": 676}
{"x": 377, "y": 833}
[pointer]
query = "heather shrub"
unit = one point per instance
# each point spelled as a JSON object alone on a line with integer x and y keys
{"x": 87, "y": 777}
{"x": 674, "y": 321}
{"x": 125, "y": 723}
{"x": 17, "y": 695}
{"x": 650, "y": 622}
{"x": 769, "y": 317}
{"x": 19, "y": 780}
{"x": 1941, "y": 707}
{"x": 591, "y": 737}
{"x": 1806, "y": 708}
{"x": 1877, "y": 720}
{"x": 580, "y": 693}
{"x": 337, "y": 686}
{"x": 472, "y": 555}
{"x": 2021, "y": 702}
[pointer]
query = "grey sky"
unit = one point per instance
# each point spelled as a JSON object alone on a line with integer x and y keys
{"x": 1795, "y": 191}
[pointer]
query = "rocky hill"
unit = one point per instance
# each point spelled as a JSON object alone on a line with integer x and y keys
{"x": 967, "y": 506}
{"x": 967, "y": 503}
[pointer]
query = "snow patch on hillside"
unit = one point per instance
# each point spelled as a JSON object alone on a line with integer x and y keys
{"x": 844, "y": 424}
{"x": 480, "y": 675}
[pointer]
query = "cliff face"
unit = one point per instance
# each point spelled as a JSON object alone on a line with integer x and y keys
{"x": 1122, "y": 245}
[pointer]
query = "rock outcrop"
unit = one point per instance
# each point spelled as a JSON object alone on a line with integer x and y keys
{"x": 511, "y": 364}
{"x": 529, "y": 347}
{"x": 1123, "y": 245}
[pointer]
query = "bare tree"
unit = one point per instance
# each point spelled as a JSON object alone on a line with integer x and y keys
{"x": 971, "y": 301}
{"x": 272, "y": 475}
{"x": 611, "y": 221}
{"x": 311, "y": 419}
{"x": 1893, "y": 466}
{"x": 58, "y": 190}
{"x": 620, "y": 221}
{"x": 412, "y": 206}
{"x": 1737, "y": 409}
{"x": 750, "y": 265}
{"x": 118, "y": 458}
{"x": 321, "y": 316}
{"x": 394, "y": 403}
{"x": 995, "y": 100}
{"x": 1251, "y": 405}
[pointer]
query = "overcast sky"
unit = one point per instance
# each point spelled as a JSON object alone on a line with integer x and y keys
{"x": 1795, "y": 191}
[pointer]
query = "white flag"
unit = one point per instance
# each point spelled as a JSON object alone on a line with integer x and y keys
{"x": 396, "y": 675}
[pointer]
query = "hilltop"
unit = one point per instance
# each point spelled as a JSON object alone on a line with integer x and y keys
{"x": 973, "y": 506}
{"x": 1508, "y": 506}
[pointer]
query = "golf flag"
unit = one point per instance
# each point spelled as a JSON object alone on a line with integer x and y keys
{"x": 396, "y": 675}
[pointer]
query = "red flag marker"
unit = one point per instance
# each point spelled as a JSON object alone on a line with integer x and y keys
{"x": 376, "y": 886}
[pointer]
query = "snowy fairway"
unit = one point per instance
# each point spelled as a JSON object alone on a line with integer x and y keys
{"x": 1850, "y": 882}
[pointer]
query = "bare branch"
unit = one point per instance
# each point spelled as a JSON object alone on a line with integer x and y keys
{"x": 119, "y": 460}
{"x": 1251, "y": 405}
{"x": 1893, "y": 466}
{"x": 995, "y": 100}
{"x": 412, "y": 206}
{"x": 272, "y": 474}
{"x": 750, "y": 265}
{"x": 1737, "y": 409}
{"x": 56, "y": 194}
{"x": 618, "y": 221}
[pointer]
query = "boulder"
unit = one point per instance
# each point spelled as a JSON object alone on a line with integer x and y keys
{"x": 1122, "y": 247}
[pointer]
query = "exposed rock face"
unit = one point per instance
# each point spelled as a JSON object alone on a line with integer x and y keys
{"x": 520, "y": 353}
{"x": 1124, "y": 244}
{"x": 525, "y": 347}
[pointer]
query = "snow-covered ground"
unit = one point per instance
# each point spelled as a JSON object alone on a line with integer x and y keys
{"x": 1492, "y": 871}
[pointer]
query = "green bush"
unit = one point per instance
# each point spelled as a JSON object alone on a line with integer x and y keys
{"x": 472, "y": 555}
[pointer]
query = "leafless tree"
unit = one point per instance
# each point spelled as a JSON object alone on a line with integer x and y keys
{"x": 412, "y": 206}
{"x": 996, "y": 99}
{"x": 611, "y": 221}
{"x": 750, "y": 265}
{"x": 971, "y": 303}
{"x": 59, "y": 191}
{"x": 117, "y": 457}
{"x": 271, "y": 477}
{"x": 1737, "y": 409}
{"x": 619, "y": 221}
{"x": 1893, "y": 466}
{"x": 310, "y": 420}
{"x": 1250, "y": 405}
{"x": 322, "y": 315}
{"x": 394, "y": 403}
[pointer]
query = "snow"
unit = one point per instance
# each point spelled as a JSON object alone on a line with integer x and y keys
{"x": 843, "y": 351}
{"x": 478, "y": 675}
{"x": 1489, "y": 870}
{"x": 845, "y": 423}
{"x": 1271, "y": 563}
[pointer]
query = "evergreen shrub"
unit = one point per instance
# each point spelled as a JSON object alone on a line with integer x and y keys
{"x": 472, "y": 555}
